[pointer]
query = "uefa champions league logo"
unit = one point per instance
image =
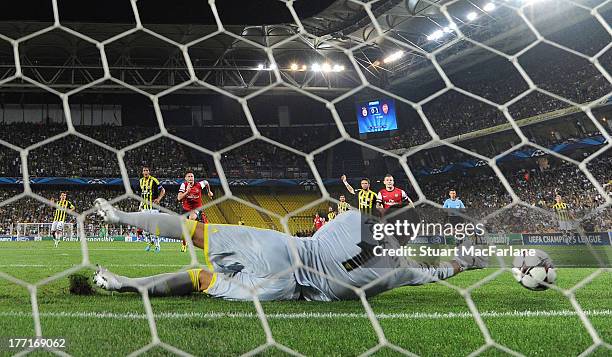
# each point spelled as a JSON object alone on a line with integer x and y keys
{"x": 169, "y": 182}
{"x": 238, "y": 182}
{"x": 96, "y": 182}
{"x": 20, "y": 181}
{"x": 436, "y": 240}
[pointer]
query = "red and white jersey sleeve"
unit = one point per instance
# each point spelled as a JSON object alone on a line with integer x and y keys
{"x": 203, "y": 184}
{"x": 183, "y": 187}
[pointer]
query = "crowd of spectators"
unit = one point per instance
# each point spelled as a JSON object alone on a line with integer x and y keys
{"x": 454, "y": 113}
{"x": 483, "y": 193}
{"x": 72, "y": 156}
{"x": 496, "y": 79}
{"x": 261, "y": 159}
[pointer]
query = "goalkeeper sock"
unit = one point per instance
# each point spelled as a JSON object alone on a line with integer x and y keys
{"x": 171, "y": 284}
{"x": 159, "y": 224}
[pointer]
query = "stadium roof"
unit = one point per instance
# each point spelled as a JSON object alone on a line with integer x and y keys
{"x": 64, "y": 61}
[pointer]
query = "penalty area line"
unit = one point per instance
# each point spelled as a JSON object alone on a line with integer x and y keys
{"x": 310, "y": 315}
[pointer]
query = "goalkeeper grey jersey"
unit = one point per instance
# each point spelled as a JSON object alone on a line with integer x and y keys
{"x": 337, "y": 259}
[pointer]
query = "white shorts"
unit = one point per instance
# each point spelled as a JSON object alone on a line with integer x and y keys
{"x": 566, "y": 225}
{"x": 150, "y": 210}
{"x": 57, "y": 226}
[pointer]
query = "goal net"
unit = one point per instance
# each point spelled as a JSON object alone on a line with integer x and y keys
{"x": 40, "y": 230}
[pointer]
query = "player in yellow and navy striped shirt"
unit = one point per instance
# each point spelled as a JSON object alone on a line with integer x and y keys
{"x": 366, "y": 198}
{"x": 151, "y": 192}
{"x": 564, "y": 216}
{"x": 343, "y": 206}
{"x": 59, "y": 218}
{"x": 331, "y": 214}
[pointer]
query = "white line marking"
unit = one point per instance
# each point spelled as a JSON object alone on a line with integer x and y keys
{"x": 310, "y": 315}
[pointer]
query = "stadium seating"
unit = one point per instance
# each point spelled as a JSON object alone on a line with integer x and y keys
{"x": 249, "y": 215}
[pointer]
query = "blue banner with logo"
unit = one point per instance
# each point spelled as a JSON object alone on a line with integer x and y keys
{"x": 518, "y": 155}
{"x": 595, "y": 238}
{"x": 428, "y": 240}
{"x": 19, "y": 239}
{"x": 117, "y": 181}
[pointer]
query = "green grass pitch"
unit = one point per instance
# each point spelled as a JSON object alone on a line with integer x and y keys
{"x": 430, "y": 320}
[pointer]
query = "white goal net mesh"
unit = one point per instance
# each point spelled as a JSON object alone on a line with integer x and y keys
{"x": 449, "y": 34}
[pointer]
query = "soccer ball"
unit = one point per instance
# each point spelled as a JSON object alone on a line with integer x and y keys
{"x": 532, "y": 271}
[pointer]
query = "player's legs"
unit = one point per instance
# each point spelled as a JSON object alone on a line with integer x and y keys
{"x": 153, "y": 238}
{"x": 165, "y": 225}
{"x": 56, "y": 239}
{"x": 171, "y": 284}
{"x": 57, "y": 232}
{"x": 194, "y": 217}
{"x": 143, "y": 237}
{"x": 239, "y": 286}
{"x": 53, "y": 229}
{"x": 565, "y": 227}
{"x": 155, "y": 243}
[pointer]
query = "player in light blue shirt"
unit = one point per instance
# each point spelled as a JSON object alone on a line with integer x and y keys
{"x": 453, "y": 201}
{"x": 453, "y": 207}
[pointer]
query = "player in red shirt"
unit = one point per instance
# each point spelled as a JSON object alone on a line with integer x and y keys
{"x": 190, "y": 195}
{"x": 391, "y": 195}
{"x": 318, "y": 222}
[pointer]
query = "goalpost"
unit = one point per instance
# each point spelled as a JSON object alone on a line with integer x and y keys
{"x": 43, "y": 229}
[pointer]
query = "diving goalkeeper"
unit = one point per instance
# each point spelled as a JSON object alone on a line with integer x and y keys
{"x": 243, "y": 261}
